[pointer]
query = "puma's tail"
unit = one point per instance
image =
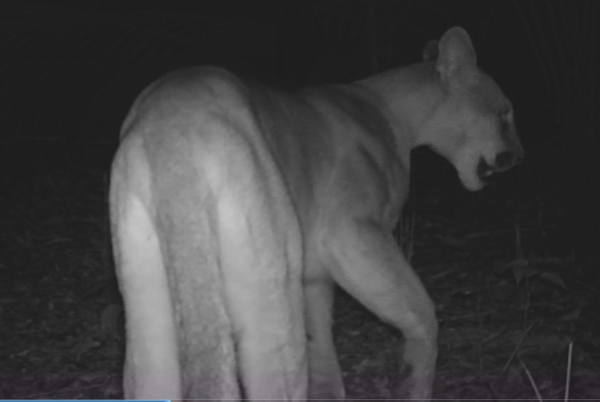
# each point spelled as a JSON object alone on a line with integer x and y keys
{"x": 208, "y": 253}
{"x": 218, "y": 234}
{"x": 180, "y": 338}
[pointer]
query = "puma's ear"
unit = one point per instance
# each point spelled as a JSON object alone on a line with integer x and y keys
{"x": 431, "y": 51}
{"x": 456, "y": 61}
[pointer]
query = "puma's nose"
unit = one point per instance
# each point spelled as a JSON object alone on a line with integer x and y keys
{"x": 505, "y": 160}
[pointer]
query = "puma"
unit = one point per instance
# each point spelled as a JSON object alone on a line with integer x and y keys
{"x": 236, "y": 207}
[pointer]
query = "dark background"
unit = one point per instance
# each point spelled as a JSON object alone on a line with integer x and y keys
{"x": 70, "y": 70}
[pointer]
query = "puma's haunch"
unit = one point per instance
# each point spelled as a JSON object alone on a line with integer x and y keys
{"x": 236, "y": 207}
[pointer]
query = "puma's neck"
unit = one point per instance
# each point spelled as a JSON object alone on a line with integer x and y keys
{"x": 411, "y": 96}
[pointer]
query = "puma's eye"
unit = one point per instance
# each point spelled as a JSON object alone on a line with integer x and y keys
{"x": 505, "y": 119}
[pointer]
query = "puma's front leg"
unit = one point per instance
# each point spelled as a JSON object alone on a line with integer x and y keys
{"x": 325, "y": 381}
{"x": 368, "y": 264}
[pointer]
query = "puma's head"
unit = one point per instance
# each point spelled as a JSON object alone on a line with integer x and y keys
{"x": 471, "y": 121}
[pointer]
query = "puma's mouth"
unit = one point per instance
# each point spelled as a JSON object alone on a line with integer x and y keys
{"x": 502, "y": 162}
{"x": 484, "y": 169}
{"x": 474, "y": 172}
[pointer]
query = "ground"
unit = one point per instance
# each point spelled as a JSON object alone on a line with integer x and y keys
{"x": 509, "y": 298}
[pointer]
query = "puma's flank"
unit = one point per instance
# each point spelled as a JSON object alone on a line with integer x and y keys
{"x": 235, "y": 207}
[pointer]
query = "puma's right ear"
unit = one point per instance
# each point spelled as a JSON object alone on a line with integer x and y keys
{"x": 456, "y": 61}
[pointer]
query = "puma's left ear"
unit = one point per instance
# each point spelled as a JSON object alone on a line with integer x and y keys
{"x": 456, "y": 60}
{"x": 431, "y": 51}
